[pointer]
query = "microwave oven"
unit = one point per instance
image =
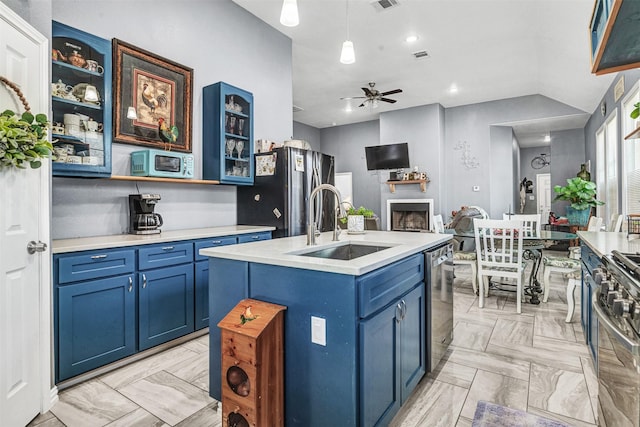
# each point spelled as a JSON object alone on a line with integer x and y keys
{"x": 162, "y": 164}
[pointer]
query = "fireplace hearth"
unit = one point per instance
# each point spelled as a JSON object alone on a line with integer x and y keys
{"x": 410, "y": 215}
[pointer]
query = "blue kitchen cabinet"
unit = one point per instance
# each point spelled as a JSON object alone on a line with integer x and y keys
{"x": 392, "y": 357}
{"x": 366, "y": 357}
{"x": 165, "y": 294}
{"x": 588, "y": 319}
{"x": 254, "y": 237}
{"x": 202, "y": 277}
{"x": 227, "y": 134}
{"x": 94, "y": 309}
{"x": 80, "y": 59}
{"x": 614, "y": 36}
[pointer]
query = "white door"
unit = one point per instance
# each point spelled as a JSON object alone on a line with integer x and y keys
{"x": 25, "y": 295}
{"x": 543, "y": 193}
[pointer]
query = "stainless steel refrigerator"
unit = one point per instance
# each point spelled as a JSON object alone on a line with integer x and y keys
{"x": 281, "y": 188}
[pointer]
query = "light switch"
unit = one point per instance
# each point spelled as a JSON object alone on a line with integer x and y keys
{"x": 318, "y": 330}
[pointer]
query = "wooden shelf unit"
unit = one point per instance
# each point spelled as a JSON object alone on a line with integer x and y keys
{"x": 422, "y": 182}
{"x": 634, "y": 133}
{"x": 153, "y": 179}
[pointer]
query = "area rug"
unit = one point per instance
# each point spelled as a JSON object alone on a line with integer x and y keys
{"x": 492, "y": 415}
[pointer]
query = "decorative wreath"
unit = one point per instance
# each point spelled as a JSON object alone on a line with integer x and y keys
{"x": 23, "y": 139}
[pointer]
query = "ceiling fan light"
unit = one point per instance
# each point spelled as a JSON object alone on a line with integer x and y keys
{"x": 289, "y": 13}
{"x": 348, "y": 55}
{"x": 374, "y": 103}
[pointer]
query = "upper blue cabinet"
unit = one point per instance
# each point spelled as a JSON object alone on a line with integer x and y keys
{"x": 615, "y": 33}
{"x": 81, "y": 102}
{"x": 227, "y": 134}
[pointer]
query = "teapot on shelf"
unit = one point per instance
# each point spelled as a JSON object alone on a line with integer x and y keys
{"x": 76, "y": 59}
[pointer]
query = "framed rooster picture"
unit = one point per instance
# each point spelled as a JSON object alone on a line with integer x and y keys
{"x": 152, "y": 99}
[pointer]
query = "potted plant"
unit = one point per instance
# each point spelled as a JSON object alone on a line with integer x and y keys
{"x": 357, "y": 219}
{"x": 635, "y": 113}
{"x": 23, "y": 139}
{"x": 582, "y": 195}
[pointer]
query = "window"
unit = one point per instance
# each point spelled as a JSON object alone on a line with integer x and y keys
{"x": 607, "y": 166}
{"x": 631, "y": 150}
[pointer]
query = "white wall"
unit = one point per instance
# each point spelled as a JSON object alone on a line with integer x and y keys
{"x": 221, "y": 42}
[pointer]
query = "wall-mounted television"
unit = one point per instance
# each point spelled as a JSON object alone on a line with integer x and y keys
{"x": 392, "y": 156}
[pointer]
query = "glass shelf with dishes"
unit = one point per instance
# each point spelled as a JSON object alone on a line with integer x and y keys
{"x": 227, "y": 134}
{"x": 81, "y": 102}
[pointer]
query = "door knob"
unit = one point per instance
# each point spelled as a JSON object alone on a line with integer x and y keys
{"x": 33, "y": 247}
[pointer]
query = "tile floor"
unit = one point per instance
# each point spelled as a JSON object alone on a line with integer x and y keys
{"x": 533, "y": 361}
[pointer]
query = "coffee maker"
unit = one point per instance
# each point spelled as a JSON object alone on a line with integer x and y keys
{"x": 142, "y": 219}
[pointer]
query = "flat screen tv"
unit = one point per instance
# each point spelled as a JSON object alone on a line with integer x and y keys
{"x": 392, "y": 156}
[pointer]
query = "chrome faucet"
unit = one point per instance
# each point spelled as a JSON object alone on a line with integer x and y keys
{"x": 311, "y": 225}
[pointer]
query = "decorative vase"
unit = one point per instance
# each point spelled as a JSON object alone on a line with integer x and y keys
{"x": 355, "y": 223}
{"x": 584, "y": 173}
{"x": 578, "y": 217}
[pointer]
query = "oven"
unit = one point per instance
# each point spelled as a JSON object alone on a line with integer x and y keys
{"x": 616, "y": 304}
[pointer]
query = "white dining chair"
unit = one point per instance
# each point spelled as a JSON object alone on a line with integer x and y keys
{"x": 570, "y": 266}
{"x": 499, "y": 254}
{"x": 530, "y": 223}
{"x": 615, "y": 224}
{"x": 460, "y": 257}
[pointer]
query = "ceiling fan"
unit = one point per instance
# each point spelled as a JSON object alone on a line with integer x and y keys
{"x": 373, "y": 95}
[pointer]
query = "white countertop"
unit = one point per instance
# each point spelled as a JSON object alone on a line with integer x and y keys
{"x": 602, "y": 242}
{"x": 283, "y": 251}
{"x": 121, "y": 240}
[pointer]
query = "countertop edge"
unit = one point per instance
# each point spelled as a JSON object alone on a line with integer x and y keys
{"x": 60, "y": 246}
{"x": 264, "y": 253}
{"x": 603, "y": 242}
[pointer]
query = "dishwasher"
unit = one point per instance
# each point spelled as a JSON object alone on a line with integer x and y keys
{"x": 439, "y": 302}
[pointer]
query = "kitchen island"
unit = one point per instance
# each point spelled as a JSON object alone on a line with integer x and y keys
{"x": 355, "y": 330}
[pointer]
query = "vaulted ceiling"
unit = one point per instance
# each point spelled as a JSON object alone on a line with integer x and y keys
{"x": 488, "y": 49}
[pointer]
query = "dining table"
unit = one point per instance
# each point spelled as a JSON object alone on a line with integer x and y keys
{"x": 532, "y": 247}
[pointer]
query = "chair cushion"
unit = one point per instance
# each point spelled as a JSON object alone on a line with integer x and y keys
{"x": 464, "y": 256}
{"x": 562, "y": 262}
{"x": 574, "y": 275}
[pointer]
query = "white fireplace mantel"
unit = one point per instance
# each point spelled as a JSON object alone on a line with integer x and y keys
{"x": 428, "y": 202}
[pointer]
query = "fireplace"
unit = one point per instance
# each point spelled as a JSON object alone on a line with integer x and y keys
{"x": 410, "y": 215}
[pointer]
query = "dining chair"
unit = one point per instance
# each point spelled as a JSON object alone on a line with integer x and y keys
{"x": 460, "y": 257}
{"x": 570, "y": 266}
{"x": 615, "y": 225}
{"x": 530, "y": 223}
{"x": 499, "y": 254}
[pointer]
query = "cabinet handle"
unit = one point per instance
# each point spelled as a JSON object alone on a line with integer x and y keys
{"x": 167, "y": 248}
{"x": 144, "y": 281}
{"x": 255, "y": 237}
{"x": 130, "y": 284}
{"x": 398, "y": 313}
{"x": 216, "y": 242}
{"x": 404, "y": 309}
{"x": 99, "y": 256}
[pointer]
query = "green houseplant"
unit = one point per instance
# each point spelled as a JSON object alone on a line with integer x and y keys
{"x": 582, "y": 195}
{"x": 635, "y": 113}
{"x": 23, "y": 139}
{"x": 357, "y": 219}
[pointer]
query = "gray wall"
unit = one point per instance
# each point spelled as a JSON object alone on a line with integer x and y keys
{"x": 205, "y": 36}
{"x": 526, "y": 171}
{"x": 307, "y": 133}
{"x": 567, "y": 154}
{"x": 597, "y": 119}
{"x": 346, "y": 144}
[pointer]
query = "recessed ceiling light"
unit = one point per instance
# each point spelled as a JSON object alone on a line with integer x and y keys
{"x": 547, "y": 138}
{"x": 348, "y": 108}
{"x": 453, "y": 88}
{"x": 411, "y": 39}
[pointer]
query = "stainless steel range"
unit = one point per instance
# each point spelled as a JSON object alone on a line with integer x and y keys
{"x": 616, "y": 303}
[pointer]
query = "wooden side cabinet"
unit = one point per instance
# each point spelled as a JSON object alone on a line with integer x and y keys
{"x": 227, "y": 134}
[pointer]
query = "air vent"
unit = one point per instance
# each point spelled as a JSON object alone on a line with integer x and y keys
{"x": 297, "y": 109}
{"x": 421, "y": 54}
{"x": 381, "y": 5}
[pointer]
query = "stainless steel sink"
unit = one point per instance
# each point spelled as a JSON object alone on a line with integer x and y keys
{"x": 345, "y": 252}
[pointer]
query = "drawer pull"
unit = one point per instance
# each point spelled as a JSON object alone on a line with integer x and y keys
{"x": 167, "y": 248}
{"x": 99, "y": 256}
{"x": 130, "y": 284}
{"x": 144, "y": 281}
{"x": 216, "y": 242}
{"x": 255, "y": 237}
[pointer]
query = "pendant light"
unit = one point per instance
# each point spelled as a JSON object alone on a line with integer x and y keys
{"x": 289, "y": 14}
{"x": 348, "y": 55}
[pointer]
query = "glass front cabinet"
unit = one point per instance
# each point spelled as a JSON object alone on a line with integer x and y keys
{"x": 227, "y": 137}
{"x": 81, "y": 102}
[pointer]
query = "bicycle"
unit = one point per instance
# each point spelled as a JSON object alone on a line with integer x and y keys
{"x": 540, "y": 161}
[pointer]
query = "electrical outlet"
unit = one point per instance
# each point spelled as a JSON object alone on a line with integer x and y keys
{"x": 318, "y": 330}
